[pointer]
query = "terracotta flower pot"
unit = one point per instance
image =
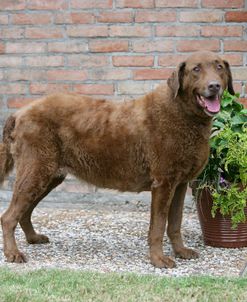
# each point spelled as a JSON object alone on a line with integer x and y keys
{"x": 217, "y": 231}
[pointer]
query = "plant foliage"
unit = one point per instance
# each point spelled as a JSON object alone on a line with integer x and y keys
{"x": 226, "y": 172}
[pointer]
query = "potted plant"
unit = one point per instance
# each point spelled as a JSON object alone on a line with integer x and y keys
{"x": 221, "y": 188}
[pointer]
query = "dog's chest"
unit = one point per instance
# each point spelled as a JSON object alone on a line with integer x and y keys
{"x": 183, "y": 156}
{"x": 192, "y": 160}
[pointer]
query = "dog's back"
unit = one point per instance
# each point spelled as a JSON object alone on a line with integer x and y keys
{"x": 99, "y": 141}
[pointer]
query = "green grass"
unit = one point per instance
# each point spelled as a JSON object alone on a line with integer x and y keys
{"x": 67, "y": 285}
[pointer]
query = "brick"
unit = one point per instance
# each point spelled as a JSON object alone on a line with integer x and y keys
{"x": 87, "y": 31}
{"x": 208, "y": 17}
{"x": 243, "y": 101}
{"x": 84, "y": 4}
{"x": 43, "y": 32}
{"x": 40, "y": 61}
{"x": 25, "y": 47}
{"x": 177, "y": 31}
{"x": 26, "y": 74}
{"x": 236, "y": 16}
{"x": 115, "y": 17}
{"x": 108, "y": 46}
{"x": 234, "y": 59}
{"x": 194, "y": 45}
{"x": 235, "y": 45}
{"x": 87, "y": 60}
{"x": 171, "y": 60}
{"x": 74, "y": 18}
{"x": 18, "y": 102}
{"x": 222, "y": 31}
{"x": 135, "y": 4}
{"x": 110, "y": 74}
{"x": 134, "y": 87}
{"x": 155, "y": 16}
{"x": 239, "y": 74}
{"x": 2, "y": 107}
{"x": 237, "y": 86}
{"x": 94, "y": 89}
{"x": 29, "y": 18}
{"x": 152, "y": 46}
{"x": 176, "y": 3}
{"x": 12, "y": 88}
{"x": 126, "y": 61}
{"x": 2, "y": 48}
{"x": 47, "y": 4}
{"x": 130, "y": 31}
{"x": 12, "y": 5}
{"x": 9, "y": 61}
{"x": 47, "y": 88}
{"x": 66, "y": 75}
{"x": 12, "y": 33}
{"x": 152, "y": 74}
{"x": 4, "y": 19}
{"x": 223, "y": 3}
{"x": 68, "y": 46}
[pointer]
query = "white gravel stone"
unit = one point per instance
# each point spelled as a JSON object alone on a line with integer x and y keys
{"x": 113, "y": 238}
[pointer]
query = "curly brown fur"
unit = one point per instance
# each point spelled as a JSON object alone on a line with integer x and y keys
{"x": 155, "y": 143}
{"x": 6, "y": 159}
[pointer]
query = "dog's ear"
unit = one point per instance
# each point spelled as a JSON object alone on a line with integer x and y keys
{"x": 175, "y": 82}
{"x": 229, "y": 75}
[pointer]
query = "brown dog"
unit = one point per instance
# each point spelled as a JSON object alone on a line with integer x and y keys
{"x": 156, "y": 143}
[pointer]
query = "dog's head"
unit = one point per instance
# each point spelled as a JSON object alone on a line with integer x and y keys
{"x": 200, "y": 82}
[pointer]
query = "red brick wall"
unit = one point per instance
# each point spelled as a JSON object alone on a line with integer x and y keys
{"x": 111, "y": 48}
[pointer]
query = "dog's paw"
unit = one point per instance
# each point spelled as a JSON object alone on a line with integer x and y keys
{"x": 186, "y": 253}
{"x": 162, "y": 261}
{"x": 16, "y": 257}
{"x": 38, "y": 239}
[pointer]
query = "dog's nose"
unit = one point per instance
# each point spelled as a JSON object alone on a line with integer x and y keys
{"x": 214, "y": 86}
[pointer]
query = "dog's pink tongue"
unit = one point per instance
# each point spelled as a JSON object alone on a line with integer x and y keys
{"x": 212, "y": 105}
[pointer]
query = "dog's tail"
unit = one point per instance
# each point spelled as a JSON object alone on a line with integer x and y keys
{"x": 6, "y": 159}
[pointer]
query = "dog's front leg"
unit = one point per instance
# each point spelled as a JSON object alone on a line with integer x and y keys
{"x": 162, "y": 194}
{"x": 174, "y": 224}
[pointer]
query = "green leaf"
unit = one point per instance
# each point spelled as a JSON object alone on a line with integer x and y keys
{"x": 237, "y": 106}
{"x": 237, "y": 120}
{"x": 218, "y": 124}
{"x": 244, "y": 111}
{"x": 226, "y": 101}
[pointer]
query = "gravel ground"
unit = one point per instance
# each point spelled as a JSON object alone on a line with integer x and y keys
{"x": 112, "y": 237}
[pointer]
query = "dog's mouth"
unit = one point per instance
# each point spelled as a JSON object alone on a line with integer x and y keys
{"x": 210, "y": 104}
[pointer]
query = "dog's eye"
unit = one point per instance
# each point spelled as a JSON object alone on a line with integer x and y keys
{"x": 197, "y": 69}
{"x": 219, "y": 66}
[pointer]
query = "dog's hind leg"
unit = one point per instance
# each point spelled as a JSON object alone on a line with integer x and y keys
{"x": 25, "y": 221}
{"x": 32, "y": 182}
